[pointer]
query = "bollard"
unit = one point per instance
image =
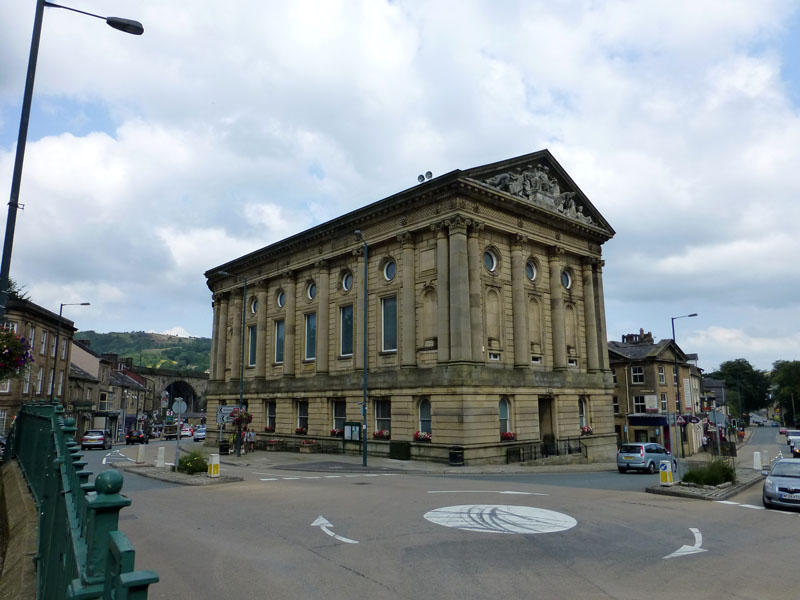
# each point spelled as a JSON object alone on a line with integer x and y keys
{"x": 213, "y": 465}
{"x": 665, "y": 468}
{"x": 140, "y": 455}
{"x": 161, "y": 460}
{"x": 757, "y": 461}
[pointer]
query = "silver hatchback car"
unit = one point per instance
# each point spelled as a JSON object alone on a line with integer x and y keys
{"x": 643, "y": 456}
{"x": 782, "y": 485}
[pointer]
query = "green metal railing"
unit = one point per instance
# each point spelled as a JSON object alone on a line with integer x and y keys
{"x": 80, "y": 553}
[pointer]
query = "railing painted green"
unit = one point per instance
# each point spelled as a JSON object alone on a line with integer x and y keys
{"x": 81, "y": 555}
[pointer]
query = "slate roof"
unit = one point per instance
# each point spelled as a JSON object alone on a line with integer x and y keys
{"x": 640, "y": 350}
{"x": 75, "y": 372}
{"x": 121, "y": 380}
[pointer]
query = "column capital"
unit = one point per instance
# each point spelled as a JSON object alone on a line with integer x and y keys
{"x": 221, "y": 297}
{"x": 589, "y": 261}
{"x": 474, "y": 226}
{"x": 321, "y": 263}
{"x": 516, "y": 240}
{"x": 555, "y": 251}
{"x": 405, "y": 238}
{"x": 260, "y": 285}
{"x": 457, "y": 223}
{"x": 289, "y": 276}
{"x": 358, "y": 251}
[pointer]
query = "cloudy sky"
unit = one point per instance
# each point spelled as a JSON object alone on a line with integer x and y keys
{"x": 230, "y": 125}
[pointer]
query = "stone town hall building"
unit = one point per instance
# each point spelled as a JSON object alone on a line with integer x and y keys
{"x": 485, "y": 317}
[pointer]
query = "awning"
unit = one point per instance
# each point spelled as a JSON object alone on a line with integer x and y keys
{"x": 647, "y": 420}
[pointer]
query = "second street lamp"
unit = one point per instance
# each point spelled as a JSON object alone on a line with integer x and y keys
{"x": 125, "y": 25}
{"x": 58, "y": 335}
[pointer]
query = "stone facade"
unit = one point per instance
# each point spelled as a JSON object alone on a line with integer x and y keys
{"x": 484, "y": 316}
{"x": 50, "y": 365}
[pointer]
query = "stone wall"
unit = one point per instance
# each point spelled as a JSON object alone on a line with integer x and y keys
{"x": 19, "y": 528}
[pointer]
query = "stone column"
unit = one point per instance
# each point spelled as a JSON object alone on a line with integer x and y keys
{"x": 601, "y": 314}
{"x": 222, "y": 337}
{"x": 592, "y": 348}
{"x": 557, "y": 310}
{"x": 261, "y": 329}
{"x": 236, "y": 337}
{"x": 442, "y": 293}
{"x": 408, "y": 312}
{"x": 475, "y": 304}
{"x": 290, "y": 329}
{"x": 358, "y": 318}
{"x": 519, "y": 309}
{"x": 460, "y": 335}
{"x": 212, "y": 363}
{"x": 322, "y": 316}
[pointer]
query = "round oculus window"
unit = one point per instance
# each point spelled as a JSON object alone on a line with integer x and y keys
{"x": 312, "y": 290}
{"x": 253, "y": 305}
{"x": 530, "y": 270}
{"x": 389, "y": 270}
{"x": 566, "y": 279}
{"x": 490, "y": 261}
{"x": 347, "y": 281}
{"x": 281, "y": 298}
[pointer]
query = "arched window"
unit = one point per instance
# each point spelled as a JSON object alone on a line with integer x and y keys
{"x": 425, "y": 415}
{"x": 503, "y": 409}
{"x": 582, "y": 412}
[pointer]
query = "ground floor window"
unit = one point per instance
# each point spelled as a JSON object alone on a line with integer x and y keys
{"x": 504, "y": 422}
{"x": 339, "y": 413}
{"x": 383, "y": 415}
{"x": 425, "y": 416}
{"x": 3, "y": 422}
{"x": 271, "y": 409}
{"x": 639, "y": 404}
{"x": 302, "y": 414}
{"x": 582, "y": 412}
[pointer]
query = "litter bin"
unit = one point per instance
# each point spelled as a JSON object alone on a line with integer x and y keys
{"x": 457, "y": 456}
{"x": 224, "y": 446}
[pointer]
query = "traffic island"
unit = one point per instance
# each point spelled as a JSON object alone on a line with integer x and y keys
{"x": 171, "y": 476}
{"x": 745, "y": 478}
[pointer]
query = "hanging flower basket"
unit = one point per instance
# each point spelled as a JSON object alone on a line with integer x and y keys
{"x": 15, "y": 354}
{"x": 422, "y": 436}
{"x": 241, "y": 418}
{"x": 586, "y": 430}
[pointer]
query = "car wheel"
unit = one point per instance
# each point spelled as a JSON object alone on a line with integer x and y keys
{"x": 765, "y": 502}
{"x": 622, "y": 469}
{"x": 651, "y": 468}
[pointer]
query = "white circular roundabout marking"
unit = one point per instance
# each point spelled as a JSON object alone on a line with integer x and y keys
{"x": 501, "y": 518}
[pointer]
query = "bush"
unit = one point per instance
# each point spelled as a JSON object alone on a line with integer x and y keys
{"x": 715, "y": 473}
{"x": 192, "y": 463}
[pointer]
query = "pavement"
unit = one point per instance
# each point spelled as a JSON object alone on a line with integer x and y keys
{"x": 347, "y": 463}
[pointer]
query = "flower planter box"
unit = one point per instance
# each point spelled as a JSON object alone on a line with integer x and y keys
{"x": 275, "y": 445}
{"x": 309, "y": 448}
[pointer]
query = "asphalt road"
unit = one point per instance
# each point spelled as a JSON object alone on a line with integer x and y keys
{"x": 284, "y": 534}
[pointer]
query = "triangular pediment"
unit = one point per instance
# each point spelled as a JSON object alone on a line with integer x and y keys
{"x": 537, "y": 179}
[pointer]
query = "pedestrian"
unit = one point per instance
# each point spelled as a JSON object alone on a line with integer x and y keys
{"x": 251, "y": 440}
{"x": 705, "y": 443}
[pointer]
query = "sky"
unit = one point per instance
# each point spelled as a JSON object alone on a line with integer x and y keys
{"x": 229, "y": 126}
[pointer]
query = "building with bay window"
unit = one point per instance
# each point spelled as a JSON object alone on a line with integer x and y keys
{"x": 484, "y": 325}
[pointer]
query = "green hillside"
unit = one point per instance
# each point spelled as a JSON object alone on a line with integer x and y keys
{"x": 152, "y": 349}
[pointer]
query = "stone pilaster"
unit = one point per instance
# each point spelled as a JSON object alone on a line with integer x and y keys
{"x": 236, "y": 337}
{"x": 222, "y": 337}
{"x": 601, "y": 313}
{"x": 290, "y": 329}
{"x": 475, "y": 304}
{"x": 358, "y": 316}
{"x": 408, "y": 312}
{"x": 442, "y": 292}
{"x": 323, "y": 316}
{"x": 558, "y": 325}
{"x": 590, "y": 317}
{"x": 212, "y": 363}
{"x": 261, "y": 329}
{"x": 519, "y": 309}
{"x": 460, "y": 336}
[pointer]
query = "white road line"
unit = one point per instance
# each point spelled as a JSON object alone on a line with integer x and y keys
{"x": 352, "y": 475}
{"x": 486, "y": 492}
{"x": 288, "y": 478}
{"x": 270, "y": 479}
{"x": 254, "y": 473}
{"x": 686, "y": 550}
{"x": 324, "y": 524}
{"x": 726, "y": 502}
{"x": 332, "y": 476}
{"x": 752, "y": 506}
{"x": 315, "y": 477}
{"x": 388, "y": 474}
{"x": 370, "y": 475}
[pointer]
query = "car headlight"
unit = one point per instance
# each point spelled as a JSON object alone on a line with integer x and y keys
{"x": 769, "y": 484}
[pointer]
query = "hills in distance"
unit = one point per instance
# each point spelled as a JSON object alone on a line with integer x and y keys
{"x": 153, "y": 349}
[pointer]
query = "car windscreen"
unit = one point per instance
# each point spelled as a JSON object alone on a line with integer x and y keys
{"x": 631, "y": 448}
{"x": 786, "y": 470}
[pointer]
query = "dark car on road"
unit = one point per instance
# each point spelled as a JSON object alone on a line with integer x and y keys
{"x": 136, "y": 437}
{"x": 96, "y": 438}
{"x": 643, "y": 456}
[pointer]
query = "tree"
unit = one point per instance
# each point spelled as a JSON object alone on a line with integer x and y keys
{"x": 786, "y": 386}
{"x": 17, "y": 291}
{"x": 748, "y": 388}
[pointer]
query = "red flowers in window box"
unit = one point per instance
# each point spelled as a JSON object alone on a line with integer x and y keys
{"x": 307, "y": 442}
{"x": 422, "y": 436}
{"x": 381, "y": 434}
{"x": 300, "y": 431}
{"x": 337, "y": 432}
{"x": 507, "y": 436}
{"x": 586, "y": 430}
{"x": 269, "y": 430}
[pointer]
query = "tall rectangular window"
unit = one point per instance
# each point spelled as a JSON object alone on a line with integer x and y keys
{"x": 53, "y": 348}
{"x": 339, "y": 413}
{"x": 43, "y": 349}
{"x": 39, "y": 379}
{"x": 311, "y": 336}
{"x": 271, "y": 410}
{"x": 615, "y": 404}
{"x": 32, "y": 338}
{"x": 26, "y": 382}
{"x": 639, "y": 404}
{"x": 675, "y": 375}
{"x": 63, "y": 349}
{"x": 103, "y": 404}
{"x": 279, "y": 329}
{"x": 60, "y": 383}
{"x": 346, "y": 330}
{"x": 637, "y": 374}
{"x": 663, "y": 402}
{"x": 251, "y": 346}
{"x": 5, "y": 386}
{"x": 302, "y": 414}
{"x": 389, "y": 323}
{"x": 383, "y": 415}
{"x": 3, "y": 419}
{"x": 51, "y": 380}
{"x": 661, "y": 376}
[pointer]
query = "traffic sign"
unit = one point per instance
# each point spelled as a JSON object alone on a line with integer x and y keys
{"x": 224, "y": 414}
{"x": 680, "y": 420}
{"x": 179, "y": 406}
{"x": 694, "y": 420}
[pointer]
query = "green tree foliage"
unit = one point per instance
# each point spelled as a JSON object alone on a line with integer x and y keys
{"x": 153, "y": 349}
{"x": 786, "y": 387}
{"x": 741, "y": 378}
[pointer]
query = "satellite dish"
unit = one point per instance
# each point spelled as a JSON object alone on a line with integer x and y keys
{"x": 420, "y": 178}
{"x": 428, "y": 174}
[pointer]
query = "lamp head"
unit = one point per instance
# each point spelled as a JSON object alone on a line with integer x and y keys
{"x": 358, "y": 234}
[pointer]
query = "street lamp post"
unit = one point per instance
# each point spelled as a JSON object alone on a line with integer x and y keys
{"x": 360, "y": 236}
{"x": 241, "y": 362}
{"x": 58, "y": 335}
{"x": 678, "y": 436}
{"x": 126, "y": 25}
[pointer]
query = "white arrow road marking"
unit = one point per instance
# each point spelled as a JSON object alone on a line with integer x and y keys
{"x": 485, "y": 492}
{"x": 116, "y": 456}
{"x": 323, "y": 524}
{"x": 686, "y": 550}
